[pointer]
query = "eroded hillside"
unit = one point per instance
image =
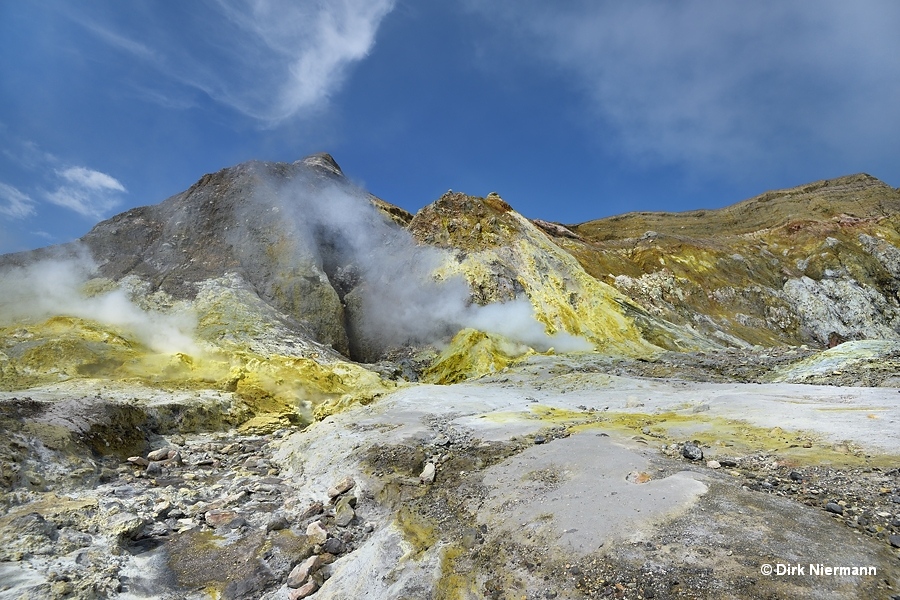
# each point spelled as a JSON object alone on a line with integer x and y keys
{"x": 817, "y": 264}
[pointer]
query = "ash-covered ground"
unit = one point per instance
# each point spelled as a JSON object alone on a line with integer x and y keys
{"x": 563, "y": 477}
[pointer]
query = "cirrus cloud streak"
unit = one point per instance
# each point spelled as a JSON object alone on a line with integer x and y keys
{"x": 270, "y": 60}
{"x": 15, "y": 203}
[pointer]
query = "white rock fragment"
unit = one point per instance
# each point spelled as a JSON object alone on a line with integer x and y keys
{"x": 160, "y": 454}
{"x": 427, "y": 475}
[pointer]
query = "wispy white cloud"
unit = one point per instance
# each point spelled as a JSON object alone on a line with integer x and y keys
{"x": 14, "y": 203}
{"x": 25, "y": 153}
{"x": 88, "y": 192}
{"x": 92, "y": 180}
{"x": 119, "y": 41}
{"x": 716, "y": 85}
{"x": 269, "y": 59}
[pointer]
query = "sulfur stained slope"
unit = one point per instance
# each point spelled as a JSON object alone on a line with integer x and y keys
{"x": 817, "y": 264}
{"x": 504, "y": 256}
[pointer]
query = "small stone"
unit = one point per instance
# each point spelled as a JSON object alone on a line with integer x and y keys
{"x": 637, "y": 477}
{"x": 427, "y": 474}
{"x": 894, "y": 540}
{"x": 834, "y": 507}
{"x": 692, "y": 452}
{"x": 154, "y": 468}
{"x": 301, "y": 572}
{"x": 218, "y": 518}
{"x": 60, "y": 589}
{"x": 174, "y": 458}
{"x": 713, "y": 464}
{"x": 160, "y": 454}
{"x": 333, "y": 546}
{"x": 125, "y": 525}
{"x": 343, "y": 512}
{"x": 233, "y": 448}
{"x": 138, "y": 460}
{"x": 162, "y": 509}
{"x": 341, "y": 486}
{"x": 316, "y": 508}
{"x": 316, "y": 533}
{"x": 539, "y": 439}
{"x": 728, "y": 462}
{"x": 307, "y": 589}
{"x": 441, "y": 440}
{"x": 277, "y": 523}
{"x": 796, "y": 476}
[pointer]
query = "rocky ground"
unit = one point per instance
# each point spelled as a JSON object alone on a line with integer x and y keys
{"x": 853, "y": 364}
{"x": 553, "y": 480}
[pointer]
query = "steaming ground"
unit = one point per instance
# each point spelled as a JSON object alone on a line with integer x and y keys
{"x": 68, "y": 286}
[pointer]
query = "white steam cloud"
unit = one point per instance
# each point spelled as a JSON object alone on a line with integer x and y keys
{"x": 396, "y": 292}
{"x": 56, "y": 287}
{"x": 516, "y": 321}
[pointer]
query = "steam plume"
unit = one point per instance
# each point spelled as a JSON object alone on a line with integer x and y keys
{"x": 56, "y": 287}
{"x": 395, "y": 288}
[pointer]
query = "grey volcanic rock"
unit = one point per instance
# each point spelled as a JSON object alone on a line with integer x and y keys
{"x": 844, "y": 307}
{"x": 291, "y": 235}
{"x": 230, "y": 222}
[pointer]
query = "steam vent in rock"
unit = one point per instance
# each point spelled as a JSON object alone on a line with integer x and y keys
{"x": 275, "y": 385}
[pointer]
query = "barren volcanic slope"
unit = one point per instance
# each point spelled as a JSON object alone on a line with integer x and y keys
{"x": 275, "y": 385}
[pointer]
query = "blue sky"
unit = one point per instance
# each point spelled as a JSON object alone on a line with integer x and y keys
{"x": 571, "y": 110}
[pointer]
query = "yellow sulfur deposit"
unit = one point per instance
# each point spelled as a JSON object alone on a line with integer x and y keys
{"x": 564, "y": 297}
{"x": 473, "y": 354}
{"x": 278, "y": 390}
